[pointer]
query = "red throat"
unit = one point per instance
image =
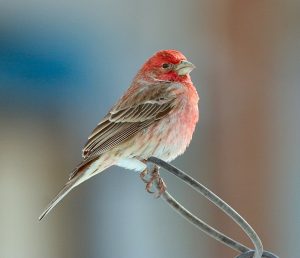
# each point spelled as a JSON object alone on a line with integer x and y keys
{"x": 174, "y": 77}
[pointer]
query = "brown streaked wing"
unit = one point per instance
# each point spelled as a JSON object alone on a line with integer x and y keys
{"x": 131, "y": 114}
{"x": 120, "y": 129}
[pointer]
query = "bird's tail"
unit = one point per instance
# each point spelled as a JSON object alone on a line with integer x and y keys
{"x": 84, "y": 171}
{"x": 66, "y": 189}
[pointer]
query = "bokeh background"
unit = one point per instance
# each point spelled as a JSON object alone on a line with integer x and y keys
{"x": 64, "y": 63}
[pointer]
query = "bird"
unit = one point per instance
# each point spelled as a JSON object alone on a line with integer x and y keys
{"x": 156, "y": 116}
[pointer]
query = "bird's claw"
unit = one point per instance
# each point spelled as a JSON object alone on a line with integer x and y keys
{"x": 148, "y": 187}
{"x": 162, "y": 187}
{"x": 154, "y": 177}
{"x": 143, "y": 175}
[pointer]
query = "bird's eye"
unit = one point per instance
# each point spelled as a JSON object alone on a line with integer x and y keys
{"x": 166, "y": 65}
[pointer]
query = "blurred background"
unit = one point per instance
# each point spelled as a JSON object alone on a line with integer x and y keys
{"x": 64, "y": 63}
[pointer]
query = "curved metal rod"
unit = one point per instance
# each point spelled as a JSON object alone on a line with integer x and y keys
{"x": 215, "y": 234}
{"x": 250, "y": 254}
{"x": 220, "y": 204}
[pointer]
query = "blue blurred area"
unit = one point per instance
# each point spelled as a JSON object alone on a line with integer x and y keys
{"x": 41, "y": 68}
{"x": 35, "y": 71}
{"x": 39, "y": 55}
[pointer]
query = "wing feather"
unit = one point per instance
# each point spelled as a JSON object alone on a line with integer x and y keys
{"x": 126, "y": 120}
{"x": 120, "y": 137}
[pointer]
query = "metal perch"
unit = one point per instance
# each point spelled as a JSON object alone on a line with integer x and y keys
{"x": 246, "y": 252}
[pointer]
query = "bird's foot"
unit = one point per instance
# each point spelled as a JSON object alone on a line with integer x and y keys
{"x": 143, "y": 174}
{"x": 162, "y": 187}
{"x": 155, "y": 178}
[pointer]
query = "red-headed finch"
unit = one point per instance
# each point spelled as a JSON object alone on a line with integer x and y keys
{"x": 156, "y": 116}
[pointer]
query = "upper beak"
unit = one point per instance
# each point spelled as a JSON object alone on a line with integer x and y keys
{"x": 184, "y": 67}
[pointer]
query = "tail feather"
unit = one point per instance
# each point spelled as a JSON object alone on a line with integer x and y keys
{"x": 66, "y": 189}
{"x": 82, "y": 166}
{"x": 83, "y": 172}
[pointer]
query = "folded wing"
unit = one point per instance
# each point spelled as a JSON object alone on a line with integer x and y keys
{"x": 131, "y": 115}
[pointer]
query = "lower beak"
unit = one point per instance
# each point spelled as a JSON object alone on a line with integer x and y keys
{"x": 184, "y": 67}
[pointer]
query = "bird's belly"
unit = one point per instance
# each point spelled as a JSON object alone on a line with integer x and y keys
{"x": 170, "y": 137}
{"x": 131, "y": 163}
{"x": 166, "y": 140}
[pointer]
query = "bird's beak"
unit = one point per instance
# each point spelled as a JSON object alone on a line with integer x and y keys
{"x": 184, "y": 67}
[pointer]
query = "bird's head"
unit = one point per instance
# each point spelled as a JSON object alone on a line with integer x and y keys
{"x": 167, "y": 65}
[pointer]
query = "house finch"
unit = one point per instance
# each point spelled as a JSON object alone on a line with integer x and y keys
{"x": 156, "y": 116}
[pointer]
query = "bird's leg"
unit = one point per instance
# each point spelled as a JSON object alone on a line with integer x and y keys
{"x": 155, "y": 178}
{"x": 161, "y": 186}
{"x": 143, "y": 174}
{"x": 153, "y": 171}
